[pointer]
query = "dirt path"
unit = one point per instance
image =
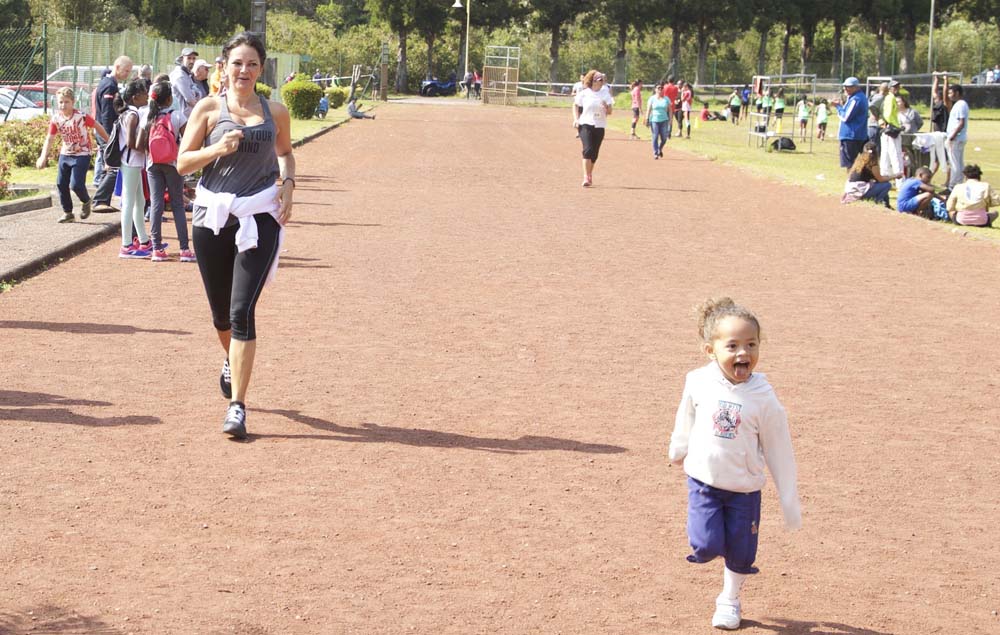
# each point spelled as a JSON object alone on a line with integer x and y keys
{"x": 467, "y": 373}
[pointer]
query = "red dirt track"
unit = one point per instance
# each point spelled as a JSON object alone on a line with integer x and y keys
{"x": 466, "y": 378}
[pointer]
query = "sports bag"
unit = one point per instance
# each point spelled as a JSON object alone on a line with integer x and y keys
{"x": 162, "y": 140}
{"x": 783, "y": 143}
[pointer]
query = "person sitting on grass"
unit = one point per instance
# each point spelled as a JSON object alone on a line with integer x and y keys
{"x": 969, "y": 201}
{"x": 917, "y": 195}
{"x": 323, "y": 108}
{"x": 865, "y": 182}
{"x": 353, "y": 109}
{"x": 708, "y": 115}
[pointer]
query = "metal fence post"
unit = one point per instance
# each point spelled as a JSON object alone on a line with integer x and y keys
{"x": 76, "y": 57}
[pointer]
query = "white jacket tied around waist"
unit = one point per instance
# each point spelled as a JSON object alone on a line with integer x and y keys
{"x": 219, "y": 205}
{"x": 726, "y": 433}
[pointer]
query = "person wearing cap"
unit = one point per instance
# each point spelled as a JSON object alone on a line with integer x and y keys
{"x": 853, "y": 133}
{"x": 217, "y": 79}
{"x": 200, "y": 74}
{"x": 182, "y": 82}
{"x": 891, "y": 153}
{"x": 105, "y": 94}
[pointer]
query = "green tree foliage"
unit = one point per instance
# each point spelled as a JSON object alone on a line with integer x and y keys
{"x": 398, "y": 14}
{"x": 553, "y": 17}
{"x": 627, "y": 17}
{"x": 196, "y": 20}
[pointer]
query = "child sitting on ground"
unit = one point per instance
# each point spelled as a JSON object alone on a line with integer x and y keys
{"x": 323, "y": 108}
{"x": 917, "y": 196}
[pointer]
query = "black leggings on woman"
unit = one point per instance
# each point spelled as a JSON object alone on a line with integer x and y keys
{"x": 234, "y": 280}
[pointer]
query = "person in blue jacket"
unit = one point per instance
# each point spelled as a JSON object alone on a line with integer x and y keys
{"x": 853, "y": 114}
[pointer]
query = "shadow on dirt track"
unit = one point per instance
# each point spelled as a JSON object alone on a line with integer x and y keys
{"x": 89, "y": 328}
{"x": 50, "y": 620}
{"x": 374, "y": 433}
{"x": 796, "y": 627}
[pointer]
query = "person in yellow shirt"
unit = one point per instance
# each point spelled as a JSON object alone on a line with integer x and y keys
{"x": 217, "y": 79}
{"x": 969, "y": 202}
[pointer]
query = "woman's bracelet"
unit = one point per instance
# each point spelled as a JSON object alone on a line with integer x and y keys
{"x": 285, "y": 180}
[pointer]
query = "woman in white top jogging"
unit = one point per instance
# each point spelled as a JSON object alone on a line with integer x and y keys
{"x": 591, "y": 108}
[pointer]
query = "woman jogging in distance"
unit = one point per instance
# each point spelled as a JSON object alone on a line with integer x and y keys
{"x": 591, "y": 108}
{"x": 243, "y": 144}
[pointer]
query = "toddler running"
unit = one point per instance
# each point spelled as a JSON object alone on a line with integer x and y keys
{"x": 729, "y": 425}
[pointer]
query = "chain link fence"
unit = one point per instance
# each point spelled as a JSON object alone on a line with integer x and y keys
{"x": 30, "y": 59}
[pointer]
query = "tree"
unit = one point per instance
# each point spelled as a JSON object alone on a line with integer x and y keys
{"x": 399, "y": 16}
{"x": 429, "y": 19}
{"x": 627, "y": 16}
{"x": 488, "y": 15}
{"x": 710, "y": 25}
{"x": 195, "y": 20}
{"x": 552, "y": 16}
{"x": 341, "y": 15}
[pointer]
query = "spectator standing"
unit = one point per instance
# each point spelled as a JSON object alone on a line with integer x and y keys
{"x": 672, "y": 93}
{"x": 164, "y": 179}
{"x": 107, "y": 91}
{"x": 216, "y": 80}
{"x": 687, "y": 104}
{"x": 577, "y": 87}
{"x": 200, "y": 75}
{"x": 822, "y": 116}
{"x": 318, "y": 78}
{"x": 182, "y": 82}
{"x": 467, "y": 84}
{"x": 802, "y": 111}
{"x": 146, "y": 75}
{"x": 735, "y": 106}
{"x": 133, "y": 165}
{"x": 957, "y": 131}
{"x": 875, "y": 115}
{"x": 477, "y": 82}
{"x": 909, "y": 119}
{"x": 853, "y": 133}
{"x": 745, "y": 98}
{"x": 891, "y": 152}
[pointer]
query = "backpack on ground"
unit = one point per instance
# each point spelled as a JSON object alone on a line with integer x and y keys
{"x": 162, "y": 140}
{"x": 783, "y": 143}
{"x": 112, "y": 152}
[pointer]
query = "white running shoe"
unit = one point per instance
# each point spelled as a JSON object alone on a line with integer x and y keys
{"x": 727, "y": 615}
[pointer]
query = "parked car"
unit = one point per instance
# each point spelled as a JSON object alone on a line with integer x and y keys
{"x": 87, "y": 78}
{"x": 434, "y": 87}
{"x": 17, "y": 107}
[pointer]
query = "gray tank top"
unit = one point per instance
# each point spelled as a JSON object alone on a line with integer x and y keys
{"x": 251, "y": 169}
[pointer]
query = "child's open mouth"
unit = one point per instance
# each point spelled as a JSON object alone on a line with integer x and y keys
{"x": 741, "y": 370}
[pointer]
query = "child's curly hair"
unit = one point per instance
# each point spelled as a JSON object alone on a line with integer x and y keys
{"x": 711, "y": 311}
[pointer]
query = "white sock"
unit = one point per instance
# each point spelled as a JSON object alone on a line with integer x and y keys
{"x": 732, "y": 582}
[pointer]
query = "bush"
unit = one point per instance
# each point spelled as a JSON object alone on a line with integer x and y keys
{"x": 263, "y": 89}
{"x": 301, "y": 97}
{"x": 24, "y": 141}
{"x": 337, "y": 96}
{"x": 4, "y": 179}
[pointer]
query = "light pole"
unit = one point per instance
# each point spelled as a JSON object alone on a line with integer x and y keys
{"x": 468, "y": 14}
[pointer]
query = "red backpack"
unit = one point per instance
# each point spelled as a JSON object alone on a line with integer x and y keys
{"x": 163, "y": 140}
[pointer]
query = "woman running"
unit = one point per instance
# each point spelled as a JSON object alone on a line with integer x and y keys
{"x": 243, "y": 144}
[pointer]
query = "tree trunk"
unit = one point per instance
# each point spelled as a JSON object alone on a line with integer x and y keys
{"x": 906, "y": 63}
{"x": 619, "y": 77}
{"x": 784, "y": 48}
{"x": 836, "y": 69}
{"x": 554, "y": 55}
{"x": 675, "y": 52}
{"x": 880, "y": 49}
{"x": 401, "y": 74}
{"x": 762, "y": 49}
{"x": 701, "y": 73}
{"x": 808, "y": 42}
{"x": 429, "y": 39}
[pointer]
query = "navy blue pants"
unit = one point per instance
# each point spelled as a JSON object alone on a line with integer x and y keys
{"x": 72, "y": 175}
{"x": 723, "y": 523}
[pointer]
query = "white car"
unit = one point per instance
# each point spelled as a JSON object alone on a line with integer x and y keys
{"x": 20, "y": 109}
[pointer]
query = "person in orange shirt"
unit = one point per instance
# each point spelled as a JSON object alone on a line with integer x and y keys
{"x": 217, "y": 79}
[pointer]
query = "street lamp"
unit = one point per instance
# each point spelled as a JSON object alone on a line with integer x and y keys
{"x": 930, "y": 41}
{"x": 468, "y": 13}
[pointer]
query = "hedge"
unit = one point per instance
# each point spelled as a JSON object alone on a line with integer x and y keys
{"x": 337, "y": 96}
{"x": 301, "y": 97}
{"x": 24, "y": 140}
{"x": 263, "y": 89}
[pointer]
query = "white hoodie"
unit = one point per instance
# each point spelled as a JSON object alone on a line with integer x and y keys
{"x": 725, "y": 433}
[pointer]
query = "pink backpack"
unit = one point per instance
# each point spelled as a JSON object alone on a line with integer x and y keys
{"x": 163, "y": 140}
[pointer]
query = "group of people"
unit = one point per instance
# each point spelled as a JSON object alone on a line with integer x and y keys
{"x": 871, "y": 151}
{"x": 166, "y": 128}
{"x": 472, "y": 81}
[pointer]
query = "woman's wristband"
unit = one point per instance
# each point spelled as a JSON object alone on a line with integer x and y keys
{"x": 287, "y": 179}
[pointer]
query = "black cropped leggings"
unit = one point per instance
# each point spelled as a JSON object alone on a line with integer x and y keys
{"x": 233, "y": 280}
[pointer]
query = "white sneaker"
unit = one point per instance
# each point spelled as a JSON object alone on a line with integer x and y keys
{"x": 727, "y": 615}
